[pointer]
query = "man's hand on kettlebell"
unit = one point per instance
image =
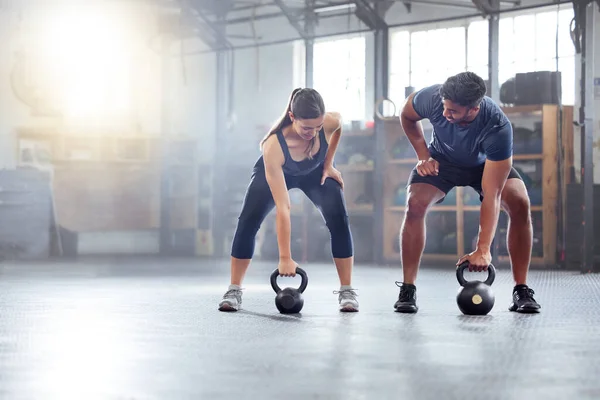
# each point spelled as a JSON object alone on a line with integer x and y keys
{"x": 287, "y": 267}
{"x": 479, "y": 260}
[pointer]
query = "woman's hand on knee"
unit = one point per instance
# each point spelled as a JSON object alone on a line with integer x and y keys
{"x": 331, "y": 172}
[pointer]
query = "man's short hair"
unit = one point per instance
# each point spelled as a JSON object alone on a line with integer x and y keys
{"x": 466, "y": 89}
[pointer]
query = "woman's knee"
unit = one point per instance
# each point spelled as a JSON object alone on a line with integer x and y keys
{"x": 337, "y": 222}
{"x": 334, "y": 211}
{"x": 248, "y": 225}
{"x": 342, "y": 245}
{"x": 245, "y": 237}
{"x": 332, "y": 202}
{"x": 329, "y": 198}
{"x": 342, "y": 249}
{"x": 258, "y": 202}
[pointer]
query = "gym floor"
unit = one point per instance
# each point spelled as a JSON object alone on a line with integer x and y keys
{"x": 150, "y": 329}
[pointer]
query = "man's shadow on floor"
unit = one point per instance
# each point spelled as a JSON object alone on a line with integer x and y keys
{"x": 475, "y": 323}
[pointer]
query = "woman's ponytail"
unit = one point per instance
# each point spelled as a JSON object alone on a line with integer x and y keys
{"x": 283, "y": 121}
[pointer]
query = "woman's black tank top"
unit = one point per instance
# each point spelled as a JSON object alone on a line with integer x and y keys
{"x": 306, "y": 166}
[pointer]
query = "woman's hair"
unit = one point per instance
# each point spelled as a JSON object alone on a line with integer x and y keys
{"x": 304, "y": 103}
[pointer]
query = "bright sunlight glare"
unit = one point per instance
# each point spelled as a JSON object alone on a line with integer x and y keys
{"x": 86, "y": 57}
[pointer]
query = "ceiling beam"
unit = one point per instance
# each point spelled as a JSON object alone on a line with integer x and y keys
{"x": 252, "y": 6}
{"x": 204, "y": 24}
{"x": 289, "y": 14}
{"x": 254, "y": 18}
{"x": 367, "y": 14}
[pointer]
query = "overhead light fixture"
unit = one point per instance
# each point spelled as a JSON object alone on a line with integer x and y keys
{"x": 338, "y": 7}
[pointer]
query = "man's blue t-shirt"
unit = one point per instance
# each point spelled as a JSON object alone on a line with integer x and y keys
{"x": 488, "y": 136}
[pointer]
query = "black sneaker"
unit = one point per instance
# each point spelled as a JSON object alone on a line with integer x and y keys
{"x": 523, "y": 301}
{"x": 407, "y": 299}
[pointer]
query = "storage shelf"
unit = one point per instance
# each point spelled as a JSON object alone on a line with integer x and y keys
{"x": 355, "y": 167}
{"x": 433, "y": 208}
{"x": 534, "y": 260}
{"x": 538, "y": 121}
{"x": 515, "y": 157}
{"x": 403, "y": 161}
{"x": 529, "y": 109}
{"x": 299, "y": 210}
{"x": 528, "y": 157}
{"x": 360, "y": 133}
{"x": 395, "y": 257}
{"x": 477, "y": 208}
{"x": 360, "y": 208}
{"x": 453, "y": 208}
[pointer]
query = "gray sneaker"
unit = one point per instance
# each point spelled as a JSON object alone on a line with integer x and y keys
{"x": 347, "y": 298}
{"x": 232, "y": 299}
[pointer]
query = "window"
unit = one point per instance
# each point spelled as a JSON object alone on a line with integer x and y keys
{"x": 299, "y": 57}
{"x": 478, "y": 48}
{"x": 340, "y": 75}
{"x": 412, "y": 63}
{"x": 532, "y": 42}
{"x": 539, "y": 42}
{"x": 399, "y": 68}
{"x": 428, "y": 67}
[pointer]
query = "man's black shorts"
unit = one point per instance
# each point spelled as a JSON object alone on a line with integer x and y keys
{"x": 451, "y": 175}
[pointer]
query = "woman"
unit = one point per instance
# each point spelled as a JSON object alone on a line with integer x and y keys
{"x": 297, "y": 153}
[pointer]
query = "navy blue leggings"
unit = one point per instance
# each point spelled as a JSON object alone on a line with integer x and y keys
{"x": 258, "y": 202}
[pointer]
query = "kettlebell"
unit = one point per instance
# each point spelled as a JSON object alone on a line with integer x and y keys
{"x": 475, "y": 297}
{"x": 289, "y": 300}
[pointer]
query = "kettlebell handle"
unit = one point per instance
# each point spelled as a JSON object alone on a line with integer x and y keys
{"x": 299, "y": 271}
{"x": 460, "y": 274}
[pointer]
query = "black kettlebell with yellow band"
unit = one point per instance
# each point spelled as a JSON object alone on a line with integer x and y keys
{"x": 475, "y": 297}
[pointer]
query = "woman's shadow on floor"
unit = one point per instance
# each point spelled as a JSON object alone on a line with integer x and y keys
{"x": 275, "y": 317}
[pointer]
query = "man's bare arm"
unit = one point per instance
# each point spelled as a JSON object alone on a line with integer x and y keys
{"x": 494, "y": 178}
{"x": 411, "y": 124}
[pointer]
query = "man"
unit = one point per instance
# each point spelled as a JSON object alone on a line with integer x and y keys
{"x": 471, "y": 146}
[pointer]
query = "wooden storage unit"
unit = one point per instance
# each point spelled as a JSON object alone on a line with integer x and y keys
{"x": 106, "y": 197}
{"x": 452, "y": 226}
{"x": 182, "y": 168}
{"x": 204, "y": 217}
{"x": 101, "y": 182}
{"x": 112, "y": 181}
